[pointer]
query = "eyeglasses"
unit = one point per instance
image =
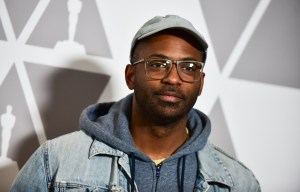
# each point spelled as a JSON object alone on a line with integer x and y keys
{"x": 189, "y": 71}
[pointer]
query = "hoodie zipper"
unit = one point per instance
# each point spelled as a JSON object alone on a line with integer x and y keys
{"x": 157, "y": 169}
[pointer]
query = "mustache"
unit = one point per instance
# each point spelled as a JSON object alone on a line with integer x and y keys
{"x": 170, "y": 90}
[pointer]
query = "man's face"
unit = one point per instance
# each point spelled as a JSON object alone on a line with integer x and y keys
{"x": 170, "y": 98}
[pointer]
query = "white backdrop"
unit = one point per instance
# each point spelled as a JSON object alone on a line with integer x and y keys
{"x": 251, "y": 91}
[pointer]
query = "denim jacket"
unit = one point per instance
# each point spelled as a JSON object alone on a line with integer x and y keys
{"x": 77, "y": 162}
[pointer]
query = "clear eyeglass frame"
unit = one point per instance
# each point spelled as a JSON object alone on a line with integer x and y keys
{"x": 188, "y": 70}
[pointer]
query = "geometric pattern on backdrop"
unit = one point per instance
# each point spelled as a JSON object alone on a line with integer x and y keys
{"x": 220, "y": 134}
{"x": 225, "y": 30}
{"x": 61, "y": 94}
{"x": 19, "y": 12}
{"x": 272, "y": 56}
{"x": 2, "y": 34}
{"x": 23, "y": 139}
{"x": 61, "y": 17}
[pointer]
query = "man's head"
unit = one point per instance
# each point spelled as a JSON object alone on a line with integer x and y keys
{"x": 166, "y": 69}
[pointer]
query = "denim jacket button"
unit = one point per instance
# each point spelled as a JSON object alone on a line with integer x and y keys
{"x": 204, "y": 185}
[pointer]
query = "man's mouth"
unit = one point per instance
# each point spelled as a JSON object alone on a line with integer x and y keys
{"x": 171, "y": 97}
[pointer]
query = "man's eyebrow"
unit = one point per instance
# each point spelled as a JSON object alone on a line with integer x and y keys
{"x": 188, "y": 59}
{"x": 161, "y": 56}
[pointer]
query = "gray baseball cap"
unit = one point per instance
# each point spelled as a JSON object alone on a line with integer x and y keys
{"x": 160, "y": 23}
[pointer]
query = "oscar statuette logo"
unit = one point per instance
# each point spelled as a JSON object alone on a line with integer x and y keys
{"x": 8, "y": 167}
{"x": 74, "y": 8}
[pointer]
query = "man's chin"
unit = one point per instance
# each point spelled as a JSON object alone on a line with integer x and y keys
{"x": 169, "y": 105}
{"x": 168, "y": 115}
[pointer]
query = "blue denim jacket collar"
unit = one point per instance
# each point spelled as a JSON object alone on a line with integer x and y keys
{"x": 211, "y": 168}
{"x": 100, "y": 148}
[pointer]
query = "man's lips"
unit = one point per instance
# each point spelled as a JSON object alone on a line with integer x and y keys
{"x": 172, "y": 97}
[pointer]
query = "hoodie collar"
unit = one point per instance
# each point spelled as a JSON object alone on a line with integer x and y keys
{"x": 109, "y": 123}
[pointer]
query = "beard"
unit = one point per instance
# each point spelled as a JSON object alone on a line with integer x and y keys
{"x": 163, "y": 112}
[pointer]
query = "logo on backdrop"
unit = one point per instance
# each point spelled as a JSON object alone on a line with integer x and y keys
{"x": 7, "y": 165}
{"x": 74, "y": 8}
{"x": 61, "y": 27}
{"x": 76, "y": 23}
{"x": 8, "y": 121}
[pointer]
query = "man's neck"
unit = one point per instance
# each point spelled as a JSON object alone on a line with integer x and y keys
{"x": 158, "y": 141}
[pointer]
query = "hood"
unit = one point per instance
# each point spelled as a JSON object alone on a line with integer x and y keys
{"x": 110, "y": 122}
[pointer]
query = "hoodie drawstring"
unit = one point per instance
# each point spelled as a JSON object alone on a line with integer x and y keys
{"x": 132, "y": 170}
{"x": 114, "y": 176}
{"x": 181, "y": 173}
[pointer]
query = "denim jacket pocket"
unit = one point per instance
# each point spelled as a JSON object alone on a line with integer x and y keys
{"x": 64, "y": 186}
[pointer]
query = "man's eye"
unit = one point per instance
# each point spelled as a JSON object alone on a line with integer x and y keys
{"x": 189, "y": 67}
{"x": 157, "y": 64}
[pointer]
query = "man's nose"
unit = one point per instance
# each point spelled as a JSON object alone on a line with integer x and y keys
{"x": 173, "y": 76}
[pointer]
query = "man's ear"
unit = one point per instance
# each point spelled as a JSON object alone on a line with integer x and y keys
{"x": 129, "y": 76}
{"x": 201, "y": 83}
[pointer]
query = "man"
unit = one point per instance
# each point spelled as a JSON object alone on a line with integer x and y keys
{"x": 152, "y": 140}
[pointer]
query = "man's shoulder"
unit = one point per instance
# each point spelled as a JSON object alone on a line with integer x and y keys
{"x": 217, "y": 163}
{"x": 229, "y": 161}
{"x": 69, "y": 137}
{"x": 68, "y": 143}
{"x": 78, "y": 142}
